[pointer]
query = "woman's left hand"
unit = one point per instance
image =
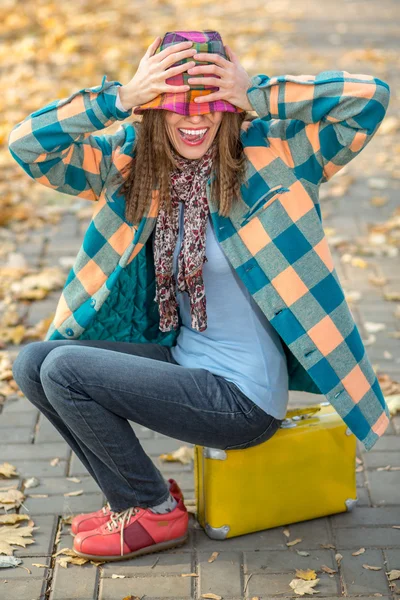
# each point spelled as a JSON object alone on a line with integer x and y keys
{"x": 233, "y": 81}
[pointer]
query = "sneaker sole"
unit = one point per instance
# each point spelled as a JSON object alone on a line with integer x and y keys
{"x": 147, "y": 550}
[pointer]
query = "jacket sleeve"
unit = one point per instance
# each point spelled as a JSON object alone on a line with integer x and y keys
{"x": 56, "y": 147}
{"x": 319, "y": 123}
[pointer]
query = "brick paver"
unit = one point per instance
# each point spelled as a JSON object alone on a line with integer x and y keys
{"x": 259, "y": 564}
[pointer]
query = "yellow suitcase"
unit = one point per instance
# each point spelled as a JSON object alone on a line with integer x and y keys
{"x": 306, "y": 470}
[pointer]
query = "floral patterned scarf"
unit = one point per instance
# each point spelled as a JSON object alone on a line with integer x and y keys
{"x": 187, "y": 185}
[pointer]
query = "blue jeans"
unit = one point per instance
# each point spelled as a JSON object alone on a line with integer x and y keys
{"x": 89, "y": 389}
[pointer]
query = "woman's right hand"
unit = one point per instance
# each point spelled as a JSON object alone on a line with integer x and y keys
{"x": 149, "y": 80}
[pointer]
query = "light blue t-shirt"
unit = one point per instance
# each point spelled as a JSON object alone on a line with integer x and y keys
{"x": 239, "y": 343}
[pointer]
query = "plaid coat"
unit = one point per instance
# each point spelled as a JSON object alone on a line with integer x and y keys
{"x": 308, "y": 128}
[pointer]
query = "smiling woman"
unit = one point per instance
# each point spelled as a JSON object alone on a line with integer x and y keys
{"x": 234, "y": 214}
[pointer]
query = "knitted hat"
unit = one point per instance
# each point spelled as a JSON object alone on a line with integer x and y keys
{"x": 183, "y": 102}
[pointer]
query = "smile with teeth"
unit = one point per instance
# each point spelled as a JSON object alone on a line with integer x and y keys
{"x": 193, "y": 136}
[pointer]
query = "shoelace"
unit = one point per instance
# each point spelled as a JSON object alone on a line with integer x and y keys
{"x": 107, "y": 507}
{"x": 120, "y": 520}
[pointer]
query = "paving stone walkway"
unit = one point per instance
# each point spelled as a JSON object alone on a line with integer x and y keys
{"x": 260, "y": 564}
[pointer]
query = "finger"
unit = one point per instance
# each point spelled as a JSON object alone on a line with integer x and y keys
{"x": 153, "y": 47}
{"x": 174, "y": 89}
{"x": 208, "y": 56}
{"x": 176, "y": 57}
{"x": 207, "y": 69}
{"x": 174, "y": 48}
{"x": 231, "y": 54}
{"x": 209, "y": 97}
{"x": 172, "y": 71}
{"x": 207, "y": 81}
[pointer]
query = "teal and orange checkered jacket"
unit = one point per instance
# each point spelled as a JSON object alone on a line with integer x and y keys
{"x": 308, "y": 127}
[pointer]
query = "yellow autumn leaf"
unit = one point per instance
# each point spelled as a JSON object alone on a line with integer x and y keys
{"x": 184, "y": 454}
{"x": 12, "y": 518}
{"x": 293, "y": 542}
{"x": 8, "y": 470}
{"x": 213, "y": 557}
{"x": 211, "y": 596}
{"x": 15, "y": 536}
{"x": 64, "y": 561}
{"x": 76, "y": 493}
{"x": 306, "y": 575}
{"x": 11, "y": 498}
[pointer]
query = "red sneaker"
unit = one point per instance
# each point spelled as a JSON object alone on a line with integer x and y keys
{"x": 89, "y": 521}
{"x": 133, "y": 532}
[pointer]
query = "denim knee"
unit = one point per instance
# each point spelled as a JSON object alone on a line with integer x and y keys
{"x": 27, "y": 362}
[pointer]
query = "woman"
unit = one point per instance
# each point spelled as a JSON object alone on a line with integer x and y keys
{"x": 204, "y": 289}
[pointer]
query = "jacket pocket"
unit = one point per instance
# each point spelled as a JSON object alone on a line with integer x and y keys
{"x": 264, "y": 201}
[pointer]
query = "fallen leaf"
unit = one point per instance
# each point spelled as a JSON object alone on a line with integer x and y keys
{"x": 328, "y": 570}
{"x": 293, "y": 542}
{"x": 115, "y": 576}
{"x": 373, "y": 327}
{"x": 76, "y": 493}
{"x": 66, "y": 551}
{"x": 189, "y": 575}
{"x": 286, "y": 532}
{"x": 392, "y": 296}
{"x": 54, "y": 462}
{"x": 394, "y": 574}
{"x": 213, "y": 557}
{"x": 303, "y": 553}
{"x": 211, "y": 596}
{"x": 67, "y": 520}
{"x": 64, "y": 561}
{"x": 371, "y": 568}
{"x": 307, "y": 575}
{"x": 7, "y": 470}
{"x": 39, "y": 565}
{"x": 31, "y": 482}
{"x": 74, "y": 479}
{"x": 11, "y": 499}
{"x": 38, "y": 495}
{"x": 338, "y": 558}
{"x": 14, "y": 536}
{"x": 358, "y": 552}
{"x": 184, "y": 454}
{"x": 9, "y": 561}
{"x": 12, "y": 518}
{"x": 393, "y": 403}
{"x": 302, "y": 587}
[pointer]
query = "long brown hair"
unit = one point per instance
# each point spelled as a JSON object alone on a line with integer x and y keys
{"x": 153, "y": 163}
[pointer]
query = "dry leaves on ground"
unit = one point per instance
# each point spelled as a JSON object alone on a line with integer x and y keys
{"x": 10, "y": 498}
{"x": 9, "y": 561}
{"x": 12, "y": 518}
{"x": 15, "y": 535}
{"x": 184, "y": 454}
{"x": 302, "y": 587}
{"x": 7, "y": 470}
{"x": 307, "y": 575}
{"x": 294, "y": 542}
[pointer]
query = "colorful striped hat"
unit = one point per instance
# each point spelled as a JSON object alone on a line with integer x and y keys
{"x": 183, "y": 102}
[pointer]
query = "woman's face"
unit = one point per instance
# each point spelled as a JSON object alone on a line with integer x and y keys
{"x": 192, "y": 136}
